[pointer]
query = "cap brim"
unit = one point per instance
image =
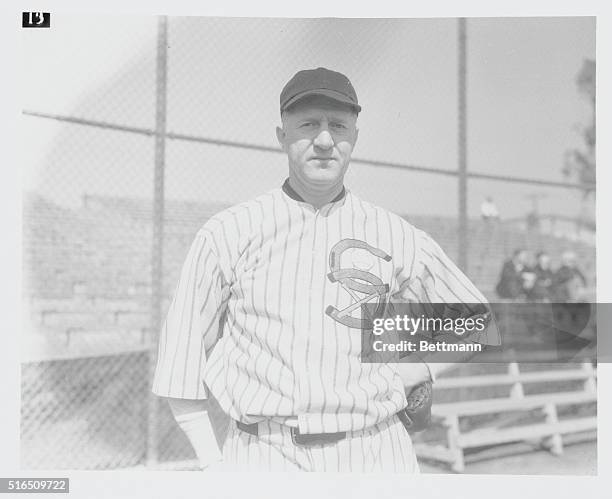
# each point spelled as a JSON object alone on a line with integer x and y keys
{"x": 331, "y": 94}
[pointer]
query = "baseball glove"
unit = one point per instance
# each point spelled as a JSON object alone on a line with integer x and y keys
{"x": 416, "y": 416}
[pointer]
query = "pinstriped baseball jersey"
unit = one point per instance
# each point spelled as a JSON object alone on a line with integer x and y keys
{"x": 266, "y": 313}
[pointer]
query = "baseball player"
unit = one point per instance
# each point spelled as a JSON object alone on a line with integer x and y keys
{"x": 265, "y": 320}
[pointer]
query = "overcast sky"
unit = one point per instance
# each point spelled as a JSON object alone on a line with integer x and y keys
{"x": 224, "y": 78}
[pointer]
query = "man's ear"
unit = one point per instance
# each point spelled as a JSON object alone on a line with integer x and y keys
{"x": 356, "y": 136}
{"x": 280, "y": 136}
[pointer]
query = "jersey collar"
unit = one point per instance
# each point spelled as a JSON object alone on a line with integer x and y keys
{"x": 287, "y": 189}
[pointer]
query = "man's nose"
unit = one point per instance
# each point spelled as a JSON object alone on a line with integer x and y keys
{"x": 324, "y": 140}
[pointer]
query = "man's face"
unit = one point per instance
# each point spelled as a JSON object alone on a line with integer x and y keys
{"x": 318, "y": 136}
{"x": 521, "y": 258}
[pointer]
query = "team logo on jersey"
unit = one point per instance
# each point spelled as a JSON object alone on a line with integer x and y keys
{"x": 362, "y": 285}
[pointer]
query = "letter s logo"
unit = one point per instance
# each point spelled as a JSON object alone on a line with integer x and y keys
{"x": 356, "y": 282}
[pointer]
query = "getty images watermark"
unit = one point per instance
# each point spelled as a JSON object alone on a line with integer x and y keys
{"x": 404, "y": 324}
{"x": 476, "y": 332}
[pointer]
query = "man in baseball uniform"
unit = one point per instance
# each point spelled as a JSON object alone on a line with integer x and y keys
{"x": 265, "y": 319}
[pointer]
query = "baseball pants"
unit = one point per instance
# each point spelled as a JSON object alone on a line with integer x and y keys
{"x": 385, "y": 447}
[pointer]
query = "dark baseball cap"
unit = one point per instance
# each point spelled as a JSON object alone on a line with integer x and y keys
{"x": 319, "y": 81}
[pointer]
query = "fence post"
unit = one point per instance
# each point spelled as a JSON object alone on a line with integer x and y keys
{"x": 516, "y": 391}
{"x": 462, "y": 225}
{"x": 158, "y": 232}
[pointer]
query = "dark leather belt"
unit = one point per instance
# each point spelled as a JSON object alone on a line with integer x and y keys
{"x": 313, "y": 438}
{"x": 296, "y": 437}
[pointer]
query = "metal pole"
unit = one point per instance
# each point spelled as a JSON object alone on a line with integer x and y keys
{"x": 462, "y": 225}
{"x": 158, "y": 230}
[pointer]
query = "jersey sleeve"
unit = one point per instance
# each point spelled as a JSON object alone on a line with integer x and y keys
{"x": 193, "y": 323}
{"x": 436, "y": 286}
{"x": 438, "y": 279}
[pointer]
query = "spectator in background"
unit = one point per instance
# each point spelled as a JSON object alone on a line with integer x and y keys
{"x": 510, "y": 283}
{"x": 568, "y": 282}
{"x": 489, "y": 211}
{"x": 528, "y": 274}
{"x": 533, "y": 221}
{"x": 541, "y": 290}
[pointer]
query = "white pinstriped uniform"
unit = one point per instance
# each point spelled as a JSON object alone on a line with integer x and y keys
{"x": 256, "y": 286}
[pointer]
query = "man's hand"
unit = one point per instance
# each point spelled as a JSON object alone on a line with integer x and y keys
{"x": 416, "y": 416}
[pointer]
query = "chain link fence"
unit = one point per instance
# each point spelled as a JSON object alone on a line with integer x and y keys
{"x": 124, "y": 168}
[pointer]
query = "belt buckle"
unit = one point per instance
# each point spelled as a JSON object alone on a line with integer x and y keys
{"x": 295, "y": 433}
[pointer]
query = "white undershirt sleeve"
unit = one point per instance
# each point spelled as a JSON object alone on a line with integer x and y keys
{"x": 199, "y": 430}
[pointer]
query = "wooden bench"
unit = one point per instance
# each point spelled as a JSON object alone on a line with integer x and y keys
{"x": 549, "y": 433}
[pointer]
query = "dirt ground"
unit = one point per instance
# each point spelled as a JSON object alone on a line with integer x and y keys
{"x": 577, "y": 459}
